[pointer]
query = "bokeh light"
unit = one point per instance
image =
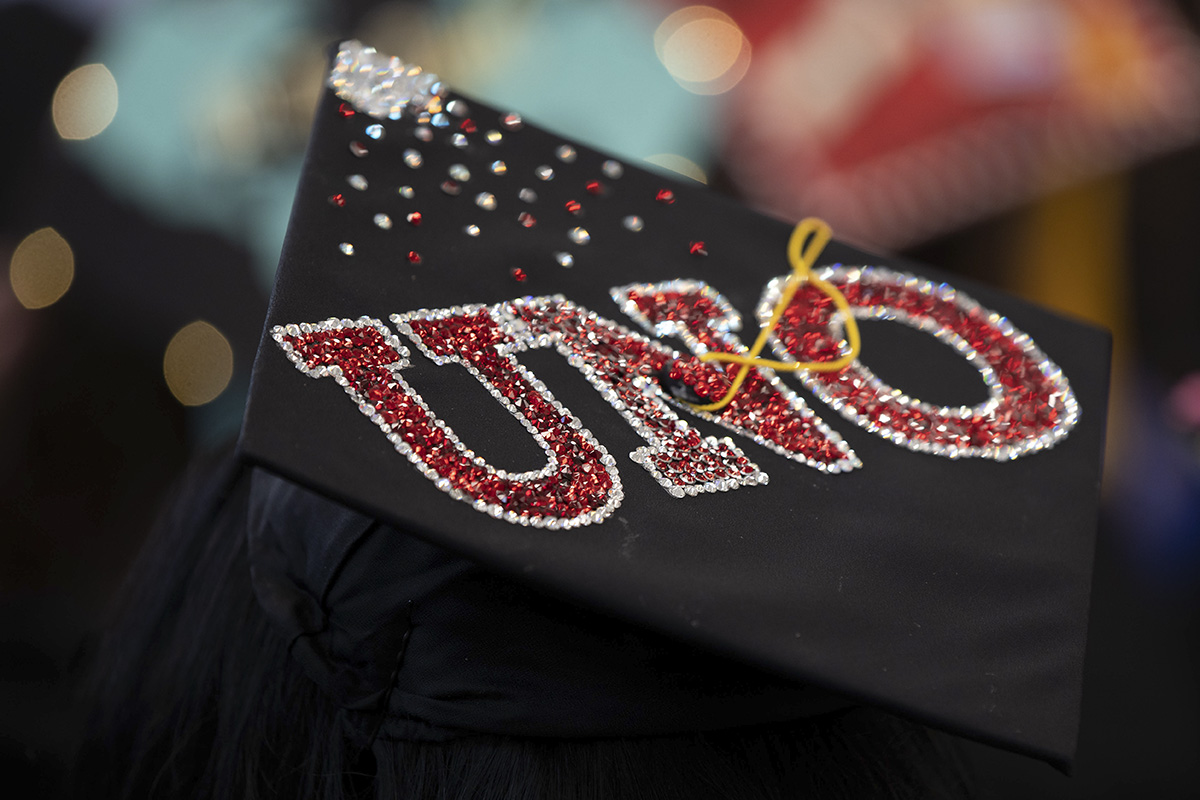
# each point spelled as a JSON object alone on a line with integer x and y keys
{"x": 703, "y": 48}
{"x": 678, "y": 164}
{"x": 198, "y": 364}
{"x": 41, "y": 269}
{"x": 85, "y": 102}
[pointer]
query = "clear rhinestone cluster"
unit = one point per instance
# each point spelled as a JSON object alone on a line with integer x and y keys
{"x": 381, "y": 86}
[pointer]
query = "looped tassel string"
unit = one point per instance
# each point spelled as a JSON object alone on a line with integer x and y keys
{"x": 808, "y": 240}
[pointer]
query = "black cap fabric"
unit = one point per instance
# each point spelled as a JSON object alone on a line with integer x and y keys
{"x": 481, "y": 334}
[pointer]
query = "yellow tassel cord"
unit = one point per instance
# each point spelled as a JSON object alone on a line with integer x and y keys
{"x": 804, "y": 247}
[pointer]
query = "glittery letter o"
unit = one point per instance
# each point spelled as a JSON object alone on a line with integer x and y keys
{"x": 1030, "y": 404}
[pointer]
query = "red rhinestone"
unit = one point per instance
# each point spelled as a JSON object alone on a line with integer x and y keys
{"x": 414, "y": 218}
{"x": 526, "y": 219}
{"x": 338, "y": 200}
{"x": 595, "y": 187}
{"x": 358, "y": 149}
{"x": 345, "y": 110}
{"x": 518, "y": 274}
{"x": 574, "y": 207}
{"x": 414, "y": 257}
{"x": 665, "y": 196}
{"x": 697, "y": 249}
{"x": 467, "y": 126}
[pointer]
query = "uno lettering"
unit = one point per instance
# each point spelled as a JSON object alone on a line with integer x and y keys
{"x": 1030, "y": 405}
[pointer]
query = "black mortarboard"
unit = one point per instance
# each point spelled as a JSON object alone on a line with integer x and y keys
{"x": 503, "y": 327}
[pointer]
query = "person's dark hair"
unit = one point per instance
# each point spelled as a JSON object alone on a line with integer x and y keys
{"x": 195, "y": 696}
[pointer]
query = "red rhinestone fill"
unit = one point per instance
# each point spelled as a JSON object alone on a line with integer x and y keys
{"x": 764, "y": 409}
{"x": 575, "y": 487}
{"x": 1030, "y": 403}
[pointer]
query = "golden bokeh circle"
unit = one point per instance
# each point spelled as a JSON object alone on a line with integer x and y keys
{"x": 85, "y": 102}
{"x": 703, "y": 49}
{"x": 198, "y": 364}
{"x": 41, "y": 268}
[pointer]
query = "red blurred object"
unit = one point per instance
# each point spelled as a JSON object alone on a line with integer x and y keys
{"x": 898, "y": 121}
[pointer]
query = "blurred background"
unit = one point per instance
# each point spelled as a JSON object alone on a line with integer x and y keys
{"x": 150, "y": 149}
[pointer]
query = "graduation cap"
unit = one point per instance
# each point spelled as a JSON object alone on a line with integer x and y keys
{"x": 500, "y": 344}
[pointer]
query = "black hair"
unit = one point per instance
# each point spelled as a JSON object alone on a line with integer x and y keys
{"x": 194, "y": 695}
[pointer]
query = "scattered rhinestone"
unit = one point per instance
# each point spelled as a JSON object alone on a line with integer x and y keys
{"x": 375, "y": 131}
{"x": 471, "y": 230}
{"x": 544, "y": 173}
{"x": 574, "y": 208}
{"x": 424, "y": 133}
{"x": 458, "y": 107}
{"x": 665, "y": 196}
{"x": 565, "y": 153}
{"x": 413, "y": 158}
{"x": 564, "y": 259}
{"x": 512, "y": 122}
{"x": 526, "y": 219}
{"x": 414, "y": 257}
{"x": 383, "y": 221}
{"x": 518, "y": 274}
{"x": 493, "y": 137}
{"x": 346, "y": 248}
{"x": 498, "y": 168}
{"x": 486, "y": 201}
{"x": 414, "y": 218}
{"x": 633, "y": 222}
{"x": 452, "y": 188}
{"x": 338, "y": 200}
{"x": 459, "y": 172}
{"x": 528, "y": 195}
{"x": 697, "y": 249}
{"x": 407, "y": 192}
{"x": 459, "y": 140}
{"x": 579, "y": 235}
{"x": 357, "y": 182}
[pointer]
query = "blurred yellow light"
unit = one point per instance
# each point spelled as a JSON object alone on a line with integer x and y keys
{"x": 85, "y": 102}
{"x": 198, "y": 364}
{"x": 677, "y": 163}
{"x": 703, "y": 48}
{"x": 41, "y": 269}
